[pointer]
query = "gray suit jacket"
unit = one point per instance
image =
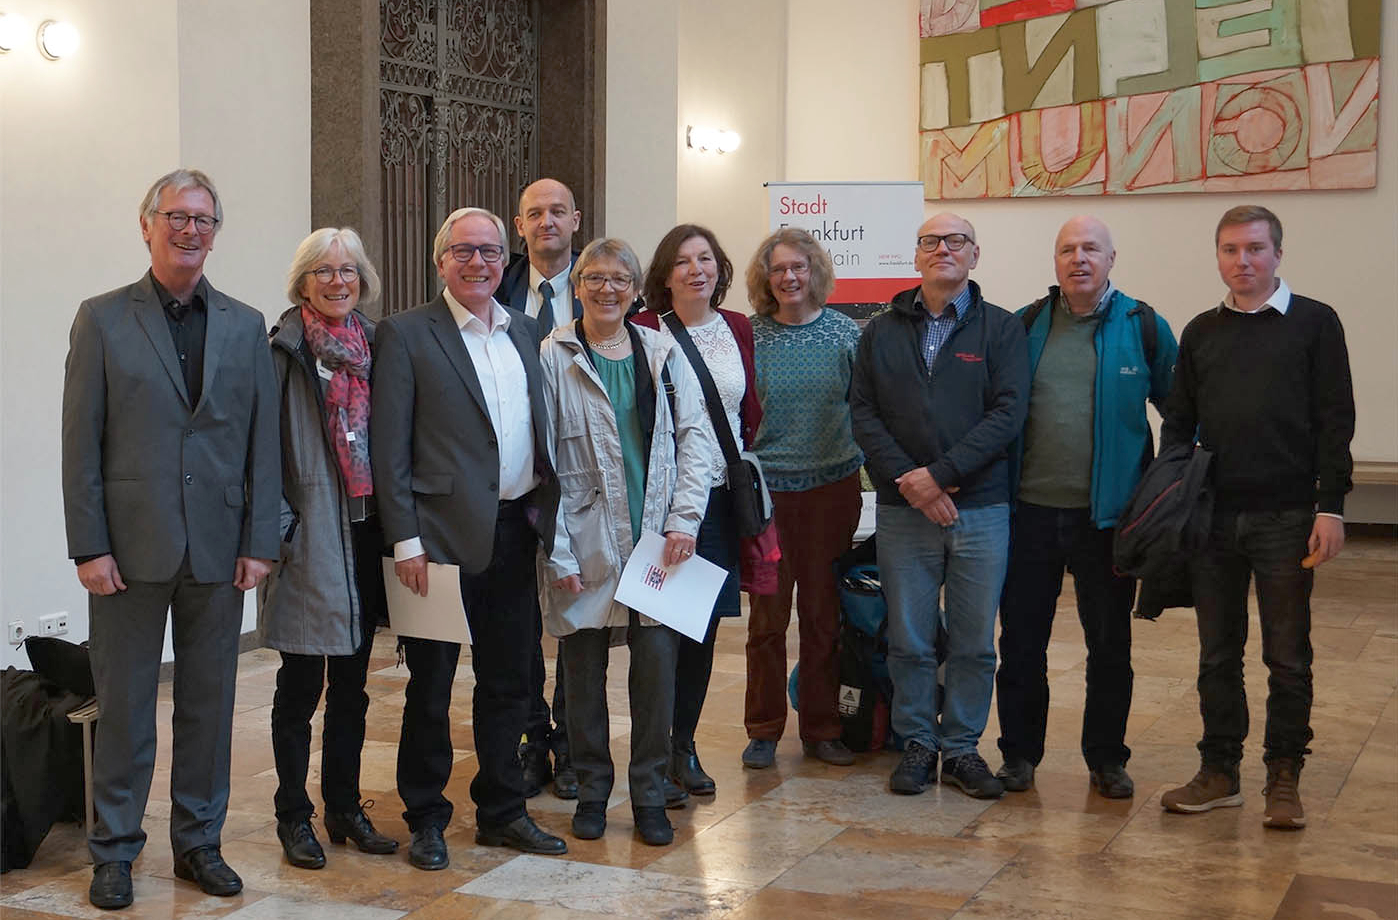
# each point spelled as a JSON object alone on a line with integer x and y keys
{"x": 147, "y": 475}
{"x": 436, "y": 461}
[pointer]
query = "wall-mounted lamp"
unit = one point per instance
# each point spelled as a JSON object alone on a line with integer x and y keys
{"x": 715, "y": 139}
{"x": 11, "y": 29}
{"x": 57, "y": 39}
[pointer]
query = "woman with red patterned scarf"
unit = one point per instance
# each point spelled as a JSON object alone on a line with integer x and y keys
{"x": 323, "y": 601}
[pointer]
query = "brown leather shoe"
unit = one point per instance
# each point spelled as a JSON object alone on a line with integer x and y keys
{"x": 1208, "y": 790}
{"x": 1284, "y": 810}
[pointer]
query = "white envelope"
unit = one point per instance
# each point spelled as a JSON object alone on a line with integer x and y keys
{"x": 681, "y": 596}
{"x": 438, "y": 615}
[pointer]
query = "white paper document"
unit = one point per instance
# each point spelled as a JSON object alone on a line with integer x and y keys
{"x": 681, "y": 596}
{"x": 439, "y": 615}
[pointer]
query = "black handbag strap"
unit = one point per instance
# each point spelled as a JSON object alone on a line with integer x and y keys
{"x": 717, "y": 415}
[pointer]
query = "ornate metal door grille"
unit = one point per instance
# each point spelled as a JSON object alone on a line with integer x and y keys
{"x": 458, "y": 90}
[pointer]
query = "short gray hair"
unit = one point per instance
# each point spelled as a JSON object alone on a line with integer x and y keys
{"x": 179, "y": 180}
{"x": 607, "y": 248}
{"x": 439, "y": 245}
{"x": 314, "y": 247}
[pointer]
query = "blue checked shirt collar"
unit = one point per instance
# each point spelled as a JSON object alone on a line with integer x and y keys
{"x": 938, "y": 329}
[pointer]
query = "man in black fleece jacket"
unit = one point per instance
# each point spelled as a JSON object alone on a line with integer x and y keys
{"x": 1263, "y": 382}
{"x": 939, "y": 390}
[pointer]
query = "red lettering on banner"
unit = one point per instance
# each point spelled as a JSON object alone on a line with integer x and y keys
{"x": 788, "y": 205}
{"x": 1017, "y": 10}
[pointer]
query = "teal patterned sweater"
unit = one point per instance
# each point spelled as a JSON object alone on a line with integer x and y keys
{"x": 803, "y": 377}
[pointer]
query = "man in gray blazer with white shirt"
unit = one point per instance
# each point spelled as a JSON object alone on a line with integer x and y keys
{"x": 171, "y": 492}
{"x": 463, "y": 476}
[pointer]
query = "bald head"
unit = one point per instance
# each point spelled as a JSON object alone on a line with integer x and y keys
{"x": 548, "y": 217}
{"x": 1083, "y": 256}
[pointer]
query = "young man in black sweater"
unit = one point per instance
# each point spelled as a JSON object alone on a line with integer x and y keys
{"x": 1263, "y": 381}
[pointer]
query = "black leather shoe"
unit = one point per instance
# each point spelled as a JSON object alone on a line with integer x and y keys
{"x": 428, "y": 851}
{"x": 534, "y": 761}
{"x": 1113, "y": 782}
{"x": 521, "y": 834}
{"x": 590, "y": 820}
{"x": 689, "y": 774}
{"x": 675, "y": 797}
{"x": 565, "y": 778}
{"x": 205, "y": 867}
{"x": 356, "y": 826}
{"x": 653, "y": 827}
{"x": 300, "y": 845}
{"x": 111, "y": 886}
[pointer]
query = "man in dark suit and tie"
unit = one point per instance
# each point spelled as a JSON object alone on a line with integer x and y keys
{"x": 537, "y": 283}
{"x": 171, "y": 493}
{"x": 462, "y": 475}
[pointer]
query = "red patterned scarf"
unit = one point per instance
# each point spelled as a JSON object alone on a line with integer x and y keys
{"x": 345, "y": 351}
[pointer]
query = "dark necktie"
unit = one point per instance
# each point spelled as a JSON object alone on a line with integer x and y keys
{"x": 545, "y": 308}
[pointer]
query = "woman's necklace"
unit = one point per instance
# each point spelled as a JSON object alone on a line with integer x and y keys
{"x": 620, "y": 339}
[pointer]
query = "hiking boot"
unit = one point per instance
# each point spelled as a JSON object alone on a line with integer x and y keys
{"x": 917, "y": 768}
{"x": 1112, "y": 781}
{"x": 1016, "y": 774}
{"x": 760, "y": 753}
{"x": 590, "y": 820}
{"x": 1208, "y": 790}
{"x": 970, "y": 774}
{"x": 652, "y": 826}
{"x": 1284, "y": 809}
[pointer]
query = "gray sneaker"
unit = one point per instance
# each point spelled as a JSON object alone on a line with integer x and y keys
{"x": 970, "y": 774}
{"x": 760, "y": 753}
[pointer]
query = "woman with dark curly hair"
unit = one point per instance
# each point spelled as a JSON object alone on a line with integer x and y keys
{"x": 689, "y": 275}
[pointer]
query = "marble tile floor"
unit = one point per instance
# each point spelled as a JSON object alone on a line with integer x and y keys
{"x": 813, "y": 841}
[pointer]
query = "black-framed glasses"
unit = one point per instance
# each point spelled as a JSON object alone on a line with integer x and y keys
{"x": 325, "y": 274}
{"x": 955, "y": 241}
{"x": 462, "y": 252}
{"x": 595, "y": 282}
{"x": 179, "y": 220}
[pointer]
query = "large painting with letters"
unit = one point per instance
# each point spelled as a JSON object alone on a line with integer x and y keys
{"x": 1112, "y": 97}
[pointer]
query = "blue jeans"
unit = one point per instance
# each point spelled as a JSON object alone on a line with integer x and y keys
{"x": 1266, "y": 547}
{"x": 917, "y": 560}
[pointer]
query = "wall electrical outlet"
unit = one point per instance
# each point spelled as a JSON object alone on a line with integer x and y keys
{"x": 16, "y": 632}
{"x": 55, "y": 624}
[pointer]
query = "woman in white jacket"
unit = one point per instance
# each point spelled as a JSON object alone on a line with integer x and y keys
{"x": 629, "y": 458}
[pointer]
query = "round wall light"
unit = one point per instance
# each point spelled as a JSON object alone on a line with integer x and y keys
{"x": 57, "y": 39}
{"x": 712, "y": 139}
{"x": 11, "y": 29}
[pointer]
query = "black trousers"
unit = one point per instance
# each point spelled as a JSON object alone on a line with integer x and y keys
{"x": 500, "y": 609}
{"x": 1043, "y": 542}
{"x": 717, "y": 542}
{"x": 1265, "y": 547}
{"x": 299, "y": 683}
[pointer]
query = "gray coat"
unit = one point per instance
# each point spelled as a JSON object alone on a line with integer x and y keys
{"x": 310, "y": 601}
{"x": 593, "y": 536}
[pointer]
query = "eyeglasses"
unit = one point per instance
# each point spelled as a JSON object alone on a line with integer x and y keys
{"x": 595, "y": 283}
{"x": 955, "y": 242}
{"x": 325, "y": 274}
{"x": 462, "y": 252}
{"x": 799, "y": 269}
{"x": 179, "y": 220}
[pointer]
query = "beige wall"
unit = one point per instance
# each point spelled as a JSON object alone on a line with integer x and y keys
{"x": 223, "y": 85}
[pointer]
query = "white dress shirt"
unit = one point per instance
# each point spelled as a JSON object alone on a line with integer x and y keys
{"x": 506, "y": 390}
{"x": 562, "y": 297}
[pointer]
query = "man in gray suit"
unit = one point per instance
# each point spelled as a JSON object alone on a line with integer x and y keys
{"x": 462, "y": 475}
{"x": 171, "y": 492}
